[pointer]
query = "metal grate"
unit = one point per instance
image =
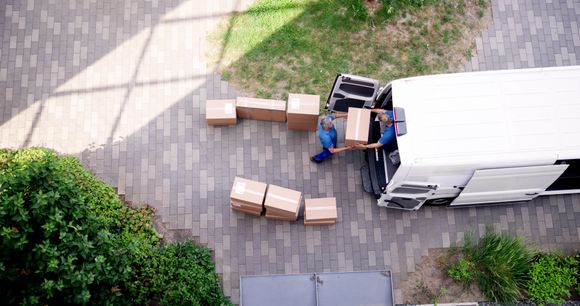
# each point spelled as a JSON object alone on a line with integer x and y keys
{"x": 318, "y": 289}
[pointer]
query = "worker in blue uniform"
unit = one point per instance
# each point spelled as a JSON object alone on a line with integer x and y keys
{"x": 387, "y": 140}
{"x": 328, "y": 138}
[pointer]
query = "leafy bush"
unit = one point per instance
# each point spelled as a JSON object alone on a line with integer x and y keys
{"x": 462, "y": 270}
{"x": 186, "y": 276}
{"x": 502, "y": 263}
{"x": 54, "y": 249}
{"x": 551, "y": 278}
{"x": 67, "y": 238}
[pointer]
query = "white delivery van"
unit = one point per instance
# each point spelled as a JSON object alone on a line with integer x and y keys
{"x": 471, "y": 138}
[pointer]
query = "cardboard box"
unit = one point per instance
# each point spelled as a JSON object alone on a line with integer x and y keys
{"x": 247, "y": 196}
{"x": 220, "y": 112}
{"x": 247, "y": 211}
{"x": 303, "y": 112}
{"x": 320, "y": 211}
{"x": 357, "y": 126}
{"x": 282, "y": 203}
{"x": 281, "y": 216}
{"x": 261, "y": 109}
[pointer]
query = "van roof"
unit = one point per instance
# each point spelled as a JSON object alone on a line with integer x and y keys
{"x": 451, "y": 117}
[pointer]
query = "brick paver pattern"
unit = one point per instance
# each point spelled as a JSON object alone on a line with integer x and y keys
{"x": 122, "y": 85}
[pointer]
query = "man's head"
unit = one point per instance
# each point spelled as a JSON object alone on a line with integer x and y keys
{"x": 326, "y": 123}
{"x": 385, "y": 119}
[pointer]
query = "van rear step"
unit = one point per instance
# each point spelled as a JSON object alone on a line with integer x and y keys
{"x": 366, "y": 179}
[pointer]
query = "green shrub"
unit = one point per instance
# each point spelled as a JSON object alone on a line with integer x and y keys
{"x": 461, "y": 271}
{"x": 186, "y": 276}
{"x": 502, "y": 263}
{"x": 551, "y": 278}
{"x": 54, "y": 248}
{"x": 67, "y": 238}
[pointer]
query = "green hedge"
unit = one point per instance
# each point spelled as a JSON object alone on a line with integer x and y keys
{"x": 67, "y": 238}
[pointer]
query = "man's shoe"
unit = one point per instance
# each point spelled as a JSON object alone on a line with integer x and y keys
{"x": 315, "y": 160}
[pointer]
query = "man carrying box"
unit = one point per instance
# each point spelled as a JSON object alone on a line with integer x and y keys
{"x": 328, "y": 138}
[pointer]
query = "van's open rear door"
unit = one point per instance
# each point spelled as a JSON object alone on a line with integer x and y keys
{"x": 508, "y": 184}
{"x": 352, "y": 91}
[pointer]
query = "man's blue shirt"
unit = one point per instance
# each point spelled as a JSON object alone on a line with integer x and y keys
{"x": 389, "y": 133}
{"x": 327, "y": 138}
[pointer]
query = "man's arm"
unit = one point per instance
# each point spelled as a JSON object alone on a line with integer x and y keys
{"x": 338, "y": 150}
{"x": 387, "y": 137}
{"x": 378, "y": 110}
{"x": 369, "y": 146}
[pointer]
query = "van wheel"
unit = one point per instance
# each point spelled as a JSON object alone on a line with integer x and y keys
{"x": 439, "y": 202}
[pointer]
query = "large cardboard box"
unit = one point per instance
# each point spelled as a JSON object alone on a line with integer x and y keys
{"x": 303, "y": 111}
{"x": 261, "y": 109}
{"x": 357, "y": 126}
{"x": 220, "y": 112}
{"x": 320, "y": 211}
{"x": 282, "y": 203}
{"x": 248, "y": 196}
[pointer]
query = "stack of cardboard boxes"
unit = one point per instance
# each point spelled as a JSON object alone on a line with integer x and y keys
{"x": 282, "y": 203}
{"x": 248, "y": 196}
{"x": 320, "y": 211}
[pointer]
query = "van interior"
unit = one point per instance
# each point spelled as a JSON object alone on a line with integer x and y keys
{"x": 381, "y": 168}
{"x": 570, "y": 179}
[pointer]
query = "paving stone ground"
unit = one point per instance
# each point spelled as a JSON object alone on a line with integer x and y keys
{"x": 122, "y": 85}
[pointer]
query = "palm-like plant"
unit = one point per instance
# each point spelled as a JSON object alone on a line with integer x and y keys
{"x": 502, "y": 263}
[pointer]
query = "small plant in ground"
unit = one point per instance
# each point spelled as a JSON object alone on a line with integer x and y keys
{"x": 462, "y": 271}
{"x": 551, "y": 278}
{"x": 502, "y": 263}
{"x": 434, "y": 297}
{"x": 438, "y": 295}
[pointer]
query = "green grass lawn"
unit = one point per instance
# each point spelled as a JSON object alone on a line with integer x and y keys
{"x": 283, "y": 46}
